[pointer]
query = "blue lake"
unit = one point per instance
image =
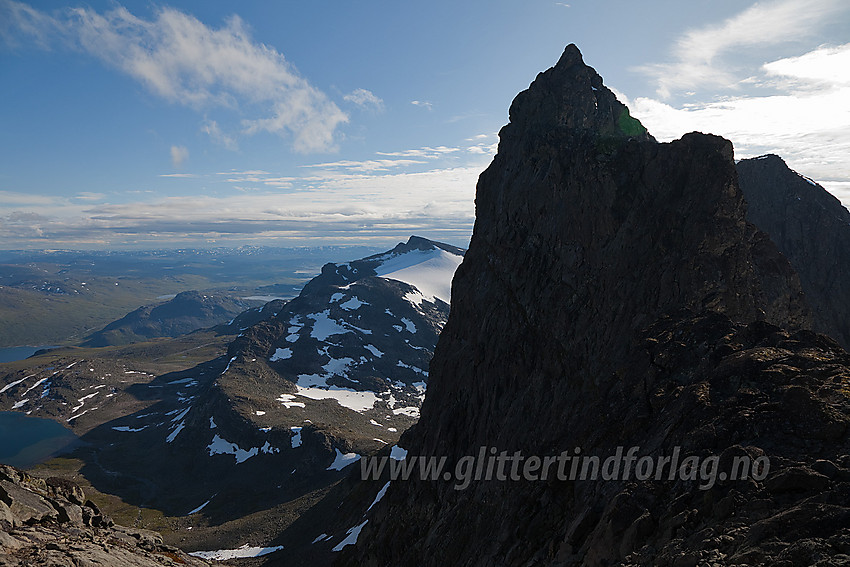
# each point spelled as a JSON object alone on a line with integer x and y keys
{"x": 26, "y": 441}
{"x": 11, "y": 354}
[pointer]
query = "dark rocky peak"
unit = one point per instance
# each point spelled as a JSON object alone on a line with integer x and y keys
{"x": 812, "y": 229}
{"x": 570, "y": 100}
{"x": 614, "y": 295}
{"x": 611, "y": 228}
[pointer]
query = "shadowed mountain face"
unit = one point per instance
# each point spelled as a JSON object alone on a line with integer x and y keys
{"x": 614, "y": 295}
{"x": 812, "y": 229}
{"x": 186, "y": 312}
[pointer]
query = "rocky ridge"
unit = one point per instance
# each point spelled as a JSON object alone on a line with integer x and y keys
{"x": 811, "y": 228}
{"x": 49, "y": 522}
{"x": 614, "y": 295}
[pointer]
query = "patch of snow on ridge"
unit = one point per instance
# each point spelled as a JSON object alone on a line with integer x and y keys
{"x": 374, "y": 350}
{"x": 352, "y": 304}
{"x": 351, "y": 538}
{"x": 281, "y": 354}
{"x": 380, "y": 495}
{"x": 288, "y": 401}
{"x": 429, "y": 271}
{"x": 342, "y": 460}
{"x": 238, "y": 553}
{"x": 221, "y": 446}
{"x": 351, "y": 399}
{"x": 324, "y": 326}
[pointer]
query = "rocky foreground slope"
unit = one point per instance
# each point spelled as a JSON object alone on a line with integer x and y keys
{"x": 614, "y": 295}
{"x": 50, "y": 523}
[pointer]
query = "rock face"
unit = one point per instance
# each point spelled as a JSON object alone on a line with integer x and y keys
{"x": 187, "y": 312}
{"x": 614, "y": 295}
{"x": 50, "y": 523}
{"x": 812, "y": 229}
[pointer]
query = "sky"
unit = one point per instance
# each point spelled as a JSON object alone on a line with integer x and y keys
{"x": 217, "y": 123}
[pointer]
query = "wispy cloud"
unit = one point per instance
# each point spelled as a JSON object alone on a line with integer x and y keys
{"x": 179, "y": 155}
{"x": 364, "y": 99}
{"x": 825, "y": 67}
{"x": 423, "y": 104}
{"x": 810, "y": 129}
{"x": 212, "y": 129}
{"x": 366, "y": 165}
{"x": 699, "y": 56}
{"x": 182, "y": 60}
{"x": 89, "y": 196}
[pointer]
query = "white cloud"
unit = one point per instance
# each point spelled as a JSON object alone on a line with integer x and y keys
{"x": 179, "y": 155}
{"x": 89, "y": 196}
{"x": 811, "y": 132}
{"x": 422, "y": 103}
{"x": 366, "y": 165}
{"x": 182, "y": 60}
{"x": 822, "y": 68}
{"x": 699, "y": 54}
{"x": 365, "y": 99}
{"x": 212, "y": 129}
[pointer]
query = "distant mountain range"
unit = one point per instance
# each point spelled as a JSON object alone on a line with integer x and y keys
{"x": 186, "y": 312}
{"x": 306, "y": 387}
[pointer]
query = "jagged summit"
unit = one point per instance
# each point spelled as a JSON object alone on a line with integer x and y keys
{"x": 571, "y": 99}
{"x": 614, "y": 295}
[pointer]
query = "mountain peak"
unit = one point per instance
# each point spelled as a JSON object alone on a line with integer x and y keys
{"x": 570, "y": 98}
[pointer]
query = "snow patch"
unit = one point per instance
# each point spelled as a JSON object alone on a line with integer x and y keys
{"x": 374, "y": 350}
{"x": 238, "y": 553}
{"x": 342, "y": 460}
{"x": 296, "y": 437}
{"x": 352, "y": 304}
{"x": 221, "y": 446}
{"x": 281, "y": 354}
{"x": 380, "y": 495}
{"x": 351, "y": 538}
{"x": 288, "y": 401}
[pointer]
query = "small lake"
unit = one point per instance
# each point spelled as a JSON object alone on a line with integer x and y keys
{"x": 11, "y": 354}
{"x": 26, "y": 441}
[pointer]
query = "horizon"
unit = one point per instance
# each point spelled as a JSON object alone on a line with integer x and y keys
{"x": 202, "y": 126}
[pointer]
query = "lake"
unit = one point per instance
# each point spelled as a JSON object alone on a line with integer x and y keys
{"x": 26, "y": 441}
{"x": 11, "y": 354}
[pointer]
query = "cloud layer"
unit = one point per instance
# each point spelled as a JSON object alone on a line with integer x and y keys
{"x": 179, "y": 58}
{"x": 706, "y": 57}
{"x": 723, "y": 83}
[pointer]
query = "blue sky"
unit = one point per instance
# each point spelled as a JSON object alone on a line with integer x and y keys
{"x": 140, "y": 125}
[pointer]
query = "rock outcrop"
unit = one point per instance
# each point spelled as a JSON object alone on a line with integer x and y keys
{"x": 49, "y": 522}
{"x": 812, "y": 229}
{"x": 614, "y": 295}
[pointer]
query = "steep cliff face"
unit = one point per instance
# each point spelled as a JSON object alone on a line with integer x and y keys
{"x": 812, "y": 229}
{"x": 614, "y": 295}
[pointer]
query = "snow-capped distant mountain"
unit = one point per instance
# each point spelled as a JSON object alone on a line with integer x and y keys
{"x": 361, "y": 333}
